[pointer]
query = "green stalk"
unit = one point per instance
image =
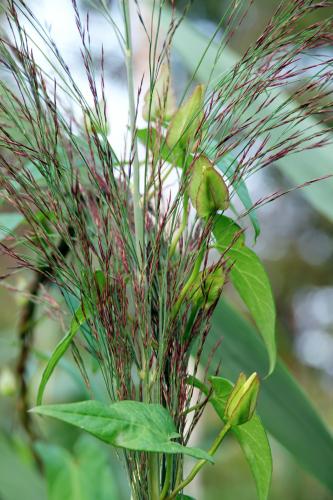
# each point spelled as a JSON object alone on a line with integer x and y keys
{"x": 138, "y": 215}
{"x": 167, "y": 477}
{"x": 153, "y": 476}
{"x": 201, "y": 463}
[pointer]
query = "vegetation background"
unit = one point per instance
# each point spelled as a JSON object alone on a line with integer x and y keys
{"x": 297, "y": 247}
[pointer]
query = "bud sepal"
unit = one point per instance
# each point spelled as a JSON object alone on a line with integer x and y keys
{"x": 242, "y": 401}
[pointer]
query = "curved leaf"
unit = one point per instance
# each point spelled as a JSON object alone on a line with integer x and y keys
{"x": 80, "y": 317}
{"x": 126, "y": 424}
{"x": 250, "y": 280}
{"x": 253, "y": 440}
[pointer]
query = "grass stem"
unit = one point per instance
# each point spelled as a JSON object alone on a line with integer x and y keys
{"x": 138, "y": 213}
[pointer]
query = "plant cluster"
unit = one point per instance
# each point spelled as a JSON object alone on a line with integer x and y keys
{"x": 140, "y": 268}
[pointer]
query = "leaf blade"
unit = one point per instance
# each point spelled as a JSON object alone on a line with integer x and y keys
{"x": 254, "y": 443}
{"x": 124, "y": 424}
{"x": 250, "y": 279}
{"x": 80, "y": 317}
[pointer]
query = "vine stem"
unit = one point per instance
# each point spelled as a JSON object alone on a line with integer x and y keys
{"x": 138, "y": 215}
{"x": 201, "y": 463}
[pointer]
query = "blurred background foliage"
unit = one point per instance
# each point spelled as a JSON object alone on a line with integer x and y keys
{"x": 297, "y": 247}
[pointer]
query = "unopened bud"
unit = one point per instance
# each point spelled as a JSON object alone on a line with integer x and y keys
{"x": 207, "y": 189}
{"x": 186, "y": 120}
{"x": 242, "y": 401}
{"x": 7, "y": 382}
{"x": 208, "y": 287}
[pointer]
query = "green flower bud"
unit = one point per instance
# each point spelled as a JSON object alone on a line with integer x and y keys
{"x": 162, "y": 102}
{"x": 186, "y": 120}
{"x": 7, "y": 383}
{"x": 242, "y": 401}
{"x": 207, "y": 189}
{"x": 208, "y": 287}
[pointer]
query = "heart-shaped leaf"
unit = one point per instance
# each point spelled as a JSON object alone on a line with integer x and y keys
{"x": 125, "y": 424}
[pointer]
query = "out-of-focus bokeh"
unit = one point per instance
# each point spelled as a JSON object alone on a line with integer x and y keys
{"x": 296, "y": 245}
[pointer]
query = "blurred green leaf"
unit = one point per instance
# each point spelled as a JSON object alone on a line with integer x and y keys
{"x": 8, "y": 223}
{"x": 18, "y": 477}
{"x": 285, "y": 410}
{"x": 83, "y": 475}
{"x": 79, "y": 318}
{"x": 250, "y": 279}
{"x": 250, "y": 435}
{"x": 126, "y": 424}
{"x": 304, "y": 166}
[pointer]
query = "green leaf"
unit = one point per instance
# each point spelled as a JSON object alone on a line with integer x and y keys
{"x": 304, "y": 166}
{"x": 250, "y": 435}
{"x": 251, "y": 281}
{"x": 284, "y": 408}
{"x": 8, "y": 223}
{"x": 227, "y": 232}
{"x": 80, "y": 317}
{"x": 253, "y": 440}
{"x": 222, "y": 389}
{"x": 72, "y": 476}
{"x": 18, "y": 476}
{"x": 126, "y": 424}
